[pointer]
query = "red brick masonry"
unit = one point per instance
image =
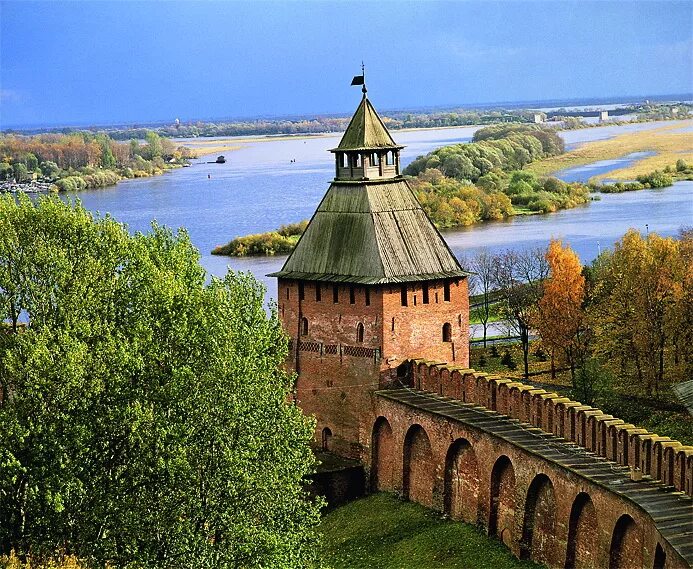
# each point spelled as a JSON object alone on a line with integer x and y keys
{"x": 506, "y": 456}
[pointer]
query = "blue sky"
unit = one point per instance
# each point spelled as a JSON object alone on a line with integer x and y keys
{"x": 93, "y": 62}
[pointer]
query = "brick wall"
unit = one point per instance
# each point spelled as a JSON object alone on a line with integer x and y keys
{"x": 540, "y": 509}
{"x": 658, "y": 457}
{"x": 346, "y": 349}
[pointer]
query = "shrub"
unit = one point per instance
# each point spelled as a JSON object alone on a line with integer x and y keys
{"x": 71, "y": 184}
{"x": 681, "y": 165}
{"x": 270, "y": 243}
{"x": 507, "y": 360}
{"x": 541, "y": 355}
{"x": 293, "y": 228}
{"x": 656, "y": 179}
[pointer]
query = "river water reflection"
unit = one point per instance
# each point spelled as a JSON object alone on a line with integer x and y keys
{"x": 259, "y": 188}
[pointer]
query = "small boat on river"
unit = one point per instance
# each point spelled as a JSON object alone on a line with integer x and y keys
{"x": 219, "y": 160}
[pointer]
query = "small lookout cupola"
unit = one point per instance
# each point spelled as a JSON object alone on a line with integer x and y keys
{"x": 366, "y": 151}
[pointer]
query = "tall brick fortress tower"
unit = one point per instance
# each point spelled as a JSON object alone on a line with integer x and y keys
{"x": 370, "y": 284}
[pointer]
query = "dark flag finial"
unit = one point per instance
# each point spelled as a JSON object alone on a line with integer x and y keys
{"x": 361, "y": 79}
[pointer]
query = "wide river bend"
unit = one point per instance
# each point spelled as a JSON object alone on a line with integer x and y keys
{"x": 260, "y": 188}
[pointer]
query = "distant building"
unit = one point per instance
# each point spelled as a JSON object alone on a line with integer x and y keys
{"x": 603, "y": 116}
{"x": 539, "y": 117}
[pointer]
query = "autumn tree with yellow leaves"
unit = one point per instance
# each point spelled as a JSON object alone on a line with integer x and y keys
{"x": 641, "y": 309}
{"x": 560, "y": 319}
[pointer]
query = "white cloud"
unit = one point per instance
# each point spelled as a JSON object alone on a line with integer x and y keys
{"x": 11, "y": 96}
{"x": 466, "y": 50}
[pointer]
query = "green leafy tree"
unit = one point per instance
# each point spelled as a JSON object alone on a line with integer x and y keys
{"x": 154, "y": 146}
{"x": 21, "y": 173}
{"x": 144, "y": 418}
{"x": 31, "y": 162}
{"x": 6, "y": 171}
{"x": 107, "y": 158}
{"x": 591, "y": 381}
{"x": 50, "y": 169}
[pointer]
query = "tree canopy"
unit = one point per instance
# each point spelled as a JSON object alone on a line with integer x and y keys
{"x": 144, "y": 413}
{"x": 499, "y": 147}
{"x": 561, "y": 315}
{"x": 641, "y": 309}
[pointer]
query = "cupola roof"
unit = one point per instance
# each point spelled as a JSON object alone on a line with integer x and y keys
{"x": 366, "y": 131}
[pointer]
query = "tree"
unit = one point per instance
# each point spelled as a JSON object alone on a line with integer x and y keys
{"x": 50, "y": 169}
{"x": 640, "y": 309}
{"x": 31, "y": 162}
{"x": 144, "y": 417}
{"x": 592, "y": 379}
{"x": 107, "y": 158}
{"x": 21, "y": 174}
{"x": 6, "y": 171}
{"x": 518, "y": 277}
{"x": 154, "y": 147}
{"x": 561, "y": 319}
{"x": 483, "y": 268}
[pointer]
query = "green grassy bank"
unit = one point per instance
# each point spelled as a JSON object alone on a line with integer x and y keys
{"x": 383, "y": 532}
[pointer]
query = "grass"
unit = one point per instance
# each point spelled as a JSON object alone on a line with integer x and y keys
{"x": 661, "y": 414}
{"x": 668, "y": 145}
{"x": 494, "y": 314}
{"x": 382, "y": 532}
{"x": 538, "y": 362}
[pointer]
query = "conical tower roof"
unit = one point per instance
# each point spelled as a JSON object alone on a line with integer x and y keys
{"x": 366, "y": 131}
{"x": 370, "y": 233}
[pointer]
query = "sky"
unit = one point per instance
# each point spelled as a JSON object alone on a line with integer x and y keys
{"x": 98, "y": 62}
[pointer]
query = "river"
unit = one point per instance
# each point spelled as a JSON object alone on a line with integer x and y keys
{"x": 259, "y": 188}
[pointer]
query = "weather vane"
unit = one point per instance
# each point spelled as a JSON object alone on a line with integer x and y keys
{"x": 361, "y": 79}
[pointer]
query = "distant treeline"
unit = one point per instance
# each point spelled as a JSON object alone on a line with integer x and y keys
{"x": 393, "y": 120}
{"x": 85, "y": 160}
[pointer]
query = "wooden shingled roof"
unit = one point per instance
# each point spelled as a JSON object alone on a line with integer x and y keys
{"x": 370, "y": 233}
{"x": 684, "y": 391}
{"x": 366, "y": 131}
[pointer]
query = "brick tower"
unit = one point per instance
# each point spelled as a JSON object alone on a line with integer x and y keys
{"x": 370, "y": 284}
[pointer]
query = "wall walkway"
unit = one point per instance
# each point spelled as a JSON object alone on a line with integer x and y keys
{"x": 545, "y": 495}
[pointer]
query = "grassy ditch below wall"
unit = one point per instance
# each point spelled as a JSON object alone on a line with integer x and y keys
{"x": 383, "y": 532}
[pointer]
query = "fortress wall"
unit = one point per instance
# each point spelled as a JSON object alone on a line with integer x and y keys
{"x": 538, "y": 508}
{"x": 660, "y": 458}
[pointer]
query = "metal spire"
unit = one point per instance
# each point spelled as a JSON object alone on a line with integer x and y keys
{"x": 363, "y": 73}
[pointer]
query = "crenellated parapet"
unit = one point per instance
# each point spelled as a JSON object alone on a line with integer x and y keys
{"x": 647, "y": 454}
